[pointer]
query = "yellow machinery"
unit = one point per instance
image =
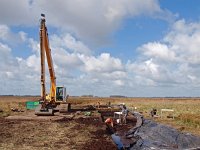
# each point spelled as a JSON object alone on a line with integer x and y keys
{"x": 57, "y": 96}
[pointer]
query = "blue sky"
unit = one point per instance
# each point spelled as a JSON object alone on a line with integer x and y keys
{"x": 128, "y": 47}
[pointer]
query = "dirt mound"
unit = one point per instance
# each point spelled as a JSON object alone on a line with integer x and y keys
{"x": 99, "y": 141}
{"x": 95, "y": 121}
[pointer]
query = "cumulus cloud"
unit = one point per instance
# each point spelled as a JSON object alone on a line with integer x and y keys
{"x": 13, "y": 73}
{"x": 10, "y": 37}
{"x": 4, "y": 32}
{"x": 173, "y": 61}
{"x": 161, "y": 66}
{"x": 158, "y": 50}
{"x": 103, "y": 63}
{"x": 17, "y": 72}
{"x": 91, "y": 20}
{"x": 185, "y": 40}
{"x": 72, "y": 60}
{"x": 95, "y": 20}
{"x": 5, "y": 55}
{"x": 105, "y": 70}
{"x": 70, "y": 43}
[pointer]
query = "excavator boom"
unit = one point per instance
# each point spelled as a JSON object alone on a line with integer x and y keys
{"x": 44, "y": 48}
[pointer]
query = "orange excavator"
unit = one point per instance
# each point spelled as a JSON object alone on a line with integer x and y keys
{"x": 56, "y": 100}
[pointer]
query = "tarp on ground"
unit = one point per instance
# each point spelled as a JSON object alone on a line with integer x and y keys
{"x": 153, "y": 135}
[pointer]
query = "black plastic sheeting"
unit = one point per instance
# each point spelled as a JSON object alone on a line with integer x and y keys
{"x": 152, "y": 135}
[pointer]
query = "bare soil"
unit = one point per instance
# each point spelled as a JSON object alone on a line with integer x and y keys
{"x": 79, "y": 133}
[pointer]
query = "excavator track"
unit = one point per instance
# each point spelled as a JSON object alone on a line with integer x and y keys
{"x": 41, "y": 112}
{"x": 63, "y": 108}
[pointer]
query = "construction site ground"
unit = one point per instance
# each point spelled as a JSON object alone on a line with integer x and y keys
{"x": 82, "y": 128}
{"x": 54, "y": 132}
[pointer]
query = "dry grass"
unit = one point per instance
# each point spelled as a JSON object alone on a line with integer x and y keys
{"x": 9, "y": 102}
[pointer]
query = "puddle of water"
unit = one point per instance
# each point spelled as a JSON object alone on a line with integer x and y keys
{"x": 117, "y": 141}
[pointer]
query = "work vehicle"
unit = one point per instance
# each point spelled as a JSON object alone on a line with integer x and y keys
{"x": 49, "y": 103}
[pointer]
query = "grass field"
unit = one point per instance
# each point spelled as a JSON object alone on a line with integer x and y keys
{"x": 186, "y": 110}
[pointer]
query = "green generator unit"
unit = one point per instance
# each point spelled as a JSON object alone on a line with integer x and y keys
{"x": 32, "y": 105}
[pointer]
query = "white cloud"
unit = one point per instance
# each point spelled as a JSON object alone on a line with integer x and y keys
{"x": 13, "y": 73}
{"x": 103, "y": 63}
{"x": 33, "y": 62}
{"x": 66, "y": 62}
{"x": 5, "y": 57}
{"x": 4, "y": 30}
{"x": 158, "y": 51}
{"x": 95, "y": 19}
{"x": 184, "y": 40}
{"x": 147, "y": 72}
{"x": 23, "y": 36}
{"x": 9, "y": 74}
{"x": 69, "y": 43}
{"x": 91, "y": 20}
{"x": 119, "y": 82}
{"x": 174, "y": 60}
{"x": 10, "y": 37}
{"x": 5, "y": 49}
{"x": 17, "y": 13}
{"x": 34, "y": 45}
{"x": 72, "y": 67}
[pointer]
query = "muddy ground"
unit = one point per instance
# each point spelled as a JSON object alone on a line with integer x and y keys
{"x": 79, "y": 133}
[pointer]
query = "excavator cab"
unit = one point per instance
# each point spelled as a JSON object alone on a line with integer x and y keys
{"x": 61, "y": 94}
{"x": 60, "y": 104}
